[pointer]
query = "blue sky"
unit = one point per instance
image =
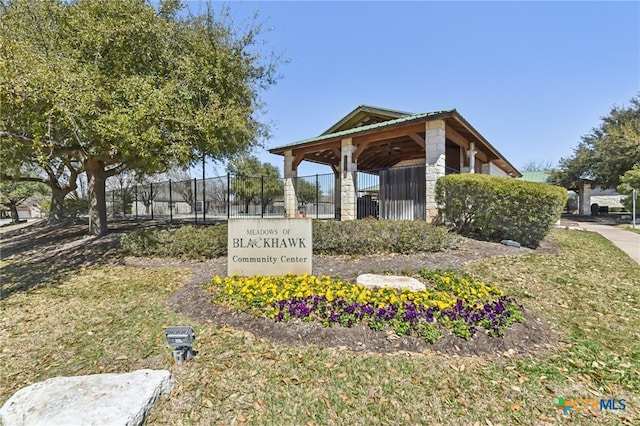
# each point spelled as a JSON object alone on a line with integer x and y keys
{"x": 531, "y": 77}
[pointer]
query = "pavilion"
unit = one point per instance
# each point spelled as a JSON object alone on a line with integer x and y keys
{"x": 388, "y": 142}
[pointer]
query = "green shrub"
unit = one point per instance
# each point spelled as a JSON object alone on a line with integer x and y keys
{"x": 369, "y": 236}
{"x": 72, "y": 207}
{"x": 187, "y": 242}
{"x": 629, "y": 181}
{"x": 617, "y": 210}
{"x": 75, "y": 206}
{"x": 330, "y": 237}
{"x": 500, "y": 208}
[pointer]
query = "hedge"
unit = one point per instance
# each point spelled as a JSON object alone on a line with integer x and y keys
{"x": 185, "y": 242}
{"x": 357, "y": 237}
{"x": 500, "y": 208}
{"x": 370, "y": 236}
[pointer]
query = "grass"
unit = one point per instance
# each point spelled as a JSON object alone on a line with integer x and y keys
{"x": 628, "y": 227}
{"x": 111, "y": 320}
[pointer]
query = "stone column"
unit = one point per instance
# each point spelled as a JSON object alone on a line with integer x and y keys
{"x": 584, "y": 199}
{"x": 472, "y": 157}
{"x": 347, "y": 181}
{"x": 290, "y": 199}
{"x": 435, "y": 164}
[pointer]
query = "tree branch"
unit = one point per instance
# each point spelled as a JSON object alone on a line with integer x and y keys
{"x": 115, "y": 170}
{"x": 4, "y": 176}
{"x": 22, "y": 138}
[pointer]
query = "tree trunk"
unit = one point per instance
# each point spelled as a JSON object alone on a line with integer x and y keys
{"x": 266, "y": 202}
{"x": 13, "y": 207}
{"x": 97, "y": 200}
{"x": 56, "y": 213}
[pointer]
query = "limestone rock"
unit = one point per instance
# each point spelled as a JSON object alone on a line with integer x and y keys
{"x": 373, "y": 281}
{"x": 510, "y": 243}
{"x": 99, "y": 399}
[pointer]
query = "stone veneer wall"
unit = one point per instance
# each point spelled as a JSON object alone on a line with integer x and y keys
{"x": 347, "y": 182}
{"x": 290, "y": 199}
{"x": 435, "y": 164}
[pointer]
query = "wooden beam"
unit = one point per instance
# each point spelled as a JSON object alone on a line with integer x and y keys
{"x": 314, "y": 148}
{"x": 328, "y": 155}
{"x": 296, "y": 161}
{"x": 456, "y": 137}
{"x": 482, "y": 156}
{"x": 417, "y": 139}
{"x": 361, "y": 147}
{"x": 300, "y": 153}
{"x": 381, "y": 135}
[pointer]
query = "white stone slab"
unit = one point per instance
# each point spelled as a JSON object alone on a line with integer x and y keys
{"x": 259, "y": 246}
{"x": 99, "y": 399}
{"x": 394, "y": 281}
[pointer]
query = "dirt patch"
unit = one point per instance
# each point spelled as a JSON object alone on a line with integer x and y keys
{"x": 66, "y": 247}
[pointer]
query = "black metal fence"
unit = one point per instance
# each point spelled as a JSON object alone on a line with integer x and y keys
{"x": 394, "y": 194}
{"x": 316, "y": 196}
{"x": 222, "y": 197}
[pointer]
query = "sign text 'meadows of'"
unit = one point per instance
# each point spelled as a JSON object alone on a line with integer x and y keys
{"x": 269, "y": 247}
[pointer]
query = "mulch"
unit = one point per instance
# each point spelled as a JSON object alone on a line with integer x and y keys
{"x": 533, "y": 335}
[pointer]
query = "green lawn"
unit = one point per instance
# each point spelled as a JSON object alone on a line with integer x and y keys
{"x": 628, "y": 227}
{"x": 111, "y": 320}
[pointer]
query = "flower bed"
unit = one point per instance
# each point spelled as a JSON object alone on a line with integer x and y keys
{"x": 452, "y": 301}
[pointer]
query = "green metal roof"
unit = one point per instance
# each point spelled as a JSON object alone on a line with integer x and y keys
{"x": 375, "y": 126}
{"x": 391, "y": 114}
{"x": 540, "y": 176}
{"x": 375, "y": 108}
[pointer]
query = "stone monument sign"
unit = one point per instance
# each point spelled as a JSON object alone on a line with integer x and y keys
{"x": 269, "y": 246}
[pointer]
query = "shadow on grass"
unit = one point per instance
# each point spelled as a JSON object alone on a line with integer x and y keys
{"x": 47, "y": 255}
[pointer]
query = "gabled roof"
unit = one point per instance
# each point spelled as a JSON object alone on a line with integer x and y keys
{"x": 381, "y": 134}
{"x": 364, "y": 115}
{"x": 367, "y": 128}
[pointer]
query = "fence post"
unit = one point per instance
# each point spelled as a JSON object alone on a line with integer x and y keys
{"x": 136, "y": 202}
{"x": 228, "y": 195}
{"x": 195, "y": 199}
{"x": 170, "y": 204}
{"x": 317, "y": 197}
{"x": 634, "y": 195}
{"x": 113, "y": 202}
{"x": 151, "y": 198}
{"x": 262, "y": 196}
{"x": 204, "y": 196}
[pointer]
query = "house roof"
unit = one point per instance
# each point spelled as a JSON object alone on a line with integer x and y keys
{"x": 388, "y": 137}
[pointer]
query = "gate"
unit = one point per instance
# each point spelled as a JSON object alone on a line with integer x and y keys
{"x": 403, "y": 193}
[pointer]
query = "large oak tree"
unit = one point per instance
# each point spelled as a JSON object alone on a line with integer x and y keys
{"x": 607, "y": 152}
{"x": 119, "y": 84}
{"x": 254, "y": 181}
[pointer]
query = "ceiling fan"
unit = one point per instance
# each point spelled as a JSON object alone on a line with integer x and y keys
{"x": 392, "y": 149}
